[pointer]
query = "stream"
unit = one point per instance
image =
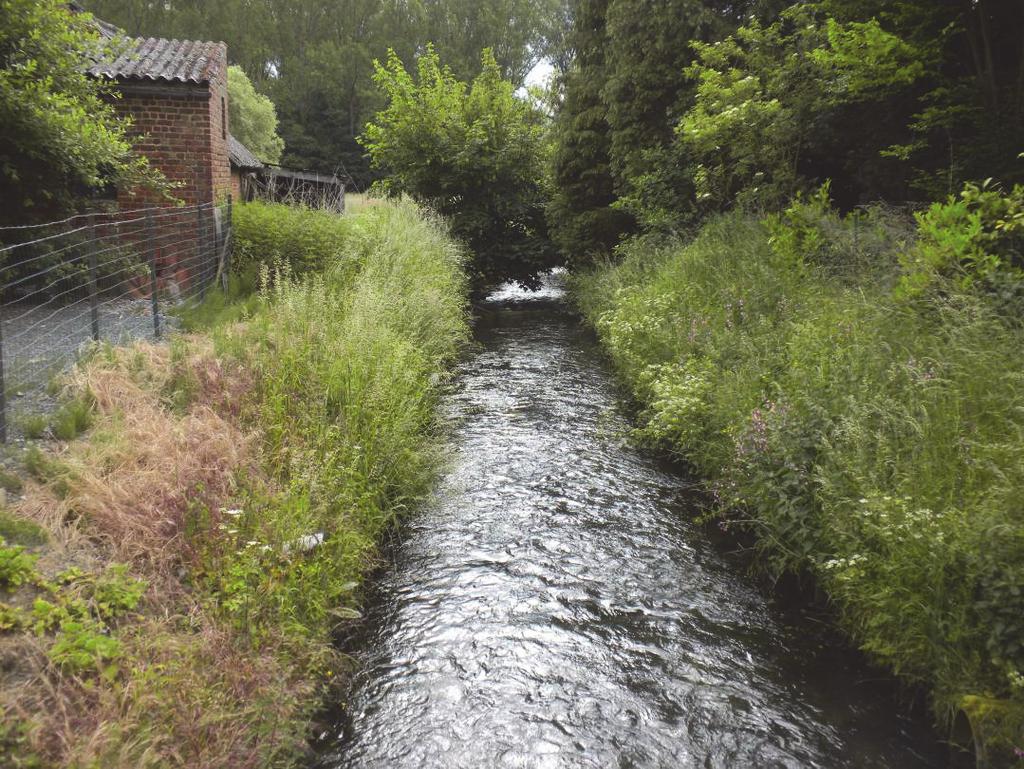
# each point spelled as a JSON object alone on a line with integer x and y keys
{"x": 555, "y": 604}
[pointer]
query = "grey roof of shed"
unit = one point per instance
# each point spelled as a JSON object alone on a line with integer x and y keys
{"x": 241, "y": 157}
{"x": 158, "y": 59}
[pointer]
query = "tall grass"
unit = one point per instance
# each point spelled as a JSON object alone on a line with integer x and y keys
{"x": 247, "y": 475}
{"x": 347, "y": 368}
{"x": 875, "y": 443}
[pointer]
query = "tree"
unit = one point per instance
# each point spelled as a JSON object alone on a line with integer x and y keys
{"x": 474, "y": 154}
{"x": 314, "y": 58}
{"x": 765, "y": 94}
{"x": 650, "y": 43}
{"x": 253, "y": 118}
{"x": 966, "y": 117}
{"x": 583, "y": 222}
{"x": 60, "y": 135}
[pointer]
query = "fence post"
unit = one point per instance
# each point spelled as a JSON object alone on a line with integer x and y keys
{"x": 229, "y": 244}
{"x": 3, "y": 385}
{"x": 151, "y": 247}
{"x": 200, "y": 266}
{"x": 94, "y": 304}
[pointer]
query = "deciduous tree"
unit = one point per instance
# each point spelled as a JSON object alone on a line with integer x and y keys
{"x": 59, "y": 134}
{"x": 473, "y": 153}
{"x": 252, "y": 117}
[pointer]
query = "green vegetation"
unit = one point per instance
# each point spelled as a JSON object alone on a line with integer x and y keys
{"x": 303, "y": 240}
{"x": 888, "y": 101}
{"x": 847, "y": 380}
{"x": 870, "y": 440}
{"x": 15, "y": 565}
{"x": 73, "y": 418}
{"x": 347, "y": 366}
{"x": 473, "y": 154}
{"x": 322, "y": 55}
{"x": 253, "y": 117}
{"x": 583, "y": 222}
{"x": 21, "y": 532}
{"x": 213, "y": 527}
{"x": 60, "y": 132}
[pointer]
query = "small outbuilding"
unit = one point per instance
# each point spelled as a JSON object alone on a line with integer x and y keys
{"x": 175, "y": 92}
{"x": 244, "y": 166}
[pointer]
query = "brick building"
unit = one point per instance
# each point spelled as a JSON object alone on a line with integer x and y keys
{"x": 175, "y": 92}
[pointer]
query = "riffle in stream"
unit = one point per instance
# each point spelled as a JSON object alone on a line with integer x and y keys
{"x": 556, "y": 605}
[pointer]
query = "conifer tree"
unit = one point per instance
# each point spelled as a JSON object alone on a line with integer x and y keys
{"x": 584, "y": 223}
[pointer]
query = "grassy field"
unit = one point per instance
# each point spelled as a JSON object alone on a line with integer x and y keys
{"x": 873, "y": 442}
{"x": 173, "y": 575}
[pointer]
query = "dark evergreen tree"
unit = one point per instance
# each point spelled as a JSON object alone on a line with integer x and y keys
{"x": 645, "y": 93}
{"x": 584, "y": 224}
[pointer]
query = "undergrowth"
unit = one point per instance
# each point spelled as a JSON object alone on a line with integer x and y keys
{"x": 871, "y": 438}
{"x": 173, "y": 578}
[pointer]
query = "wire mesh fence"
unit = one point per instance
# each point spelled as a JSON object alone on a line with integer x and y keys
{"x": 68, "y": 285}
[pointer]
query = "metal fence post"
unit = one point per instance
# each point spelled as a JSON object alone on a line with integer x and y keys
{"x": 151, "y": 247}
{"x": 94, "y": 303}
{"x": 200, "y": 266}
{"x": 3, "y": 385}
{"x": 229, "y": 244}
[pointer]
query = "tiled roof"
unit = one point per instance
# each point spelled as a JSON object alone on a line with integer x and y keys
{"x": 158, "y": 59}
{"x": 240, "y": 155}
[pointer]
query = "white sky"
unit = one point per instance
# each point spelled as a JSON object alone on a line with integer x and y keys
{"x": 540, "y": 73}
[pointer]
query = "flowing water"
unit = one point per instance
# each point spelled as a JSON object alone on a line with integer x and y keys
{"x": 555, "y": 605}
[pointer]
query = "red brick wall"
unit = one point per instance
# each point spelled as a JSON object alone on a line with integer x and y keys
{"x": 181, "y": 128}
{"x": 220, "y": 165}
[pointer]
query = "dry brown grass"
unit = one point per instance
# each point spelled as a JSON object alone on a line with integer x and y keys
{"x": 146, "y": 466}
{"x": 192, "y": 691}
{"x": 194, "y": 696}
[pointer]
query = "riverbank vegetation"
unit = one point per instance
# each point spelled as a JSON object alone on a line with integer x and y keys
{"x": 475, "y": 154}
{"x": 171, "y": 579}
{"x": 838, "y": 359}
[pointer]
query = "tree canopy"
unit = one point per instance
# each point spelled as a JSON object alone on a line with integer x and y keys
{"x": 676, "y": 108}
{"x": 314, "y": 59}
{"x": 61, "y": 136}
{"x": 253, "y": 117}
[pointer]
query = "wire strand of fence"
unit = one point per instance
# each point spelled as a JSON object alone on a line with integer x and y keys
{"x": 119, "y": 212}
{"x": 85, "y": 255}
{"x": 103, "y": 277}
{"x": 43, "y": 289}
{"x": 59, "y": 309}
{"x": 166, "y": 213}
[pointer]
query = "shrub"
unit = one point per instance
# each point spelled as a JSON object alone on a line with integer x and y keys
{"x": 303, "y": 239}
{"x": 976, "y": 238}
{"x": 474, "y": 153}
